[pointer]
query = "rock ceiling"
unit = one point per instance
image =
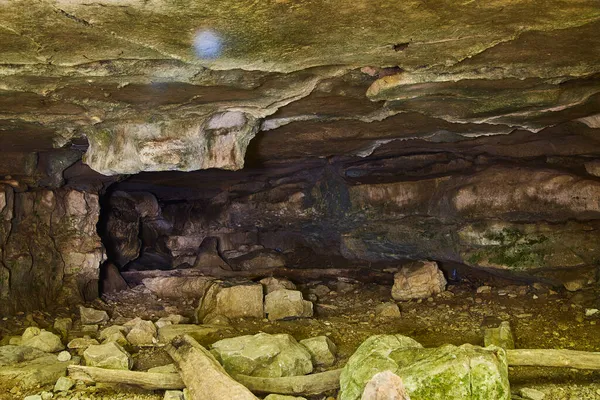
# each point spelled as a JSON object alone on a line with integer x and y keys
{"x": 155, "y": 85}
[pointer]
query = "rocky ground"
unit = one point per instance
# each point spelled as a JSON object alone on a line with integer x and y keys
{"x": 348, "y": 312}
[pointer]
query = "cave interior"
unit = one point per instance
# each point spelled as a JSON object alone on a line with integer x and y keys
{"x": 426, "y": 169}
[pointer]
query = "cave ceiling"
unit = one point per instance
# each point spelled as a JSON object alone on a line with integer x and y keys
{"x": 282, "y": 85}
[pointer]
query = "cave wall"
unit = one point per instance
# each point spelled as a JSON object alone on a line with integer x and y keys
{"x": 519, "y": 217}
{"x": 50, "y": 252}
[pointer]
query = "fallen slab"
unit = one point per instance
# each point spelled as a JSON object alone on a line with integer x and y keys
{"x": 144, "y": 380}
{"x": 553, "y": 358}
{"x": 202, "y": 374}
{"x": 293, "y": 385}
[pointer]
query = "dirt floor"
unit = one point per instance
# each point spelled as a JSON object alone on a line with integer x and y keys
{"x": 539, "y": 316}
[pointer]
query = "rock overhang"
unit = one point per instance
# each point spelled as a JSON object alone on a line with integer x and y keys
{"x": 375, "y": 74}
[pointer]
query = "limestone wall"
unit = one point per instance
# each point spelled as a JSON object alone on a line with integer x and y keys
{"x": 50, "y": 252}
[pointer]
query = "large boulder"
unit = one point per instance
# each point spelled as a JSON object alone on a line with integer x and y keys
{"x": 244, "y": 300}
{"x": 285, "y": 304}
{"x": 447, "y": 372}
{"x": 263, "y": 355}
{"x": 417, "y": 281}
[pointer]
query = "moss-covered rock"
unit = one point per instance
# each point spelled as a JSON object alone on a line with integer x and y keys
{"x": 448, "y": 372}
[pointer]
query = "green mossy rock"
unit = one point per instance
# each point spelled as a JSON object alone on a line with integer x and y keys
{"x": 445, "y": 373}
{"x": 263, "y": 355}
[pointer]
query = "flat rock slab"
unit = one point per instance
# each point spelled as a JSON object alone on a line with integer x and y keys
{"x": 263, "y": 355}
{"x": 109, "y": 355}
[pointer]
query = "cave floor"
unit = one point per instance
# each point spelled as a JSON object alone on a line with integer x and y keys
{"x": 540, "y": 318}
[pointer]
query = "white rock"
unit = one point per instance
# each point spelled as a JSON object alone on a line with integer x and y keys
{"x": 64, "y": 356}
{"x": 590, "y": 311}
{"x": 33, "y": 397}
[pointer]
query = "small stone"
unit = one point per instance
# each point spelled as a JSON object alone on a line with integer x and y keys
{"x": 322, "y": 350}
{"x": 173, "y": 395}
{"x": 575, "y": 284}
{"x": 63, "y": 384}
{"x": 42, "y": 340}
{"x": 108, "y": 355}
{"x": 531, "y": 394}
{"x": 385, "y": 386}
{"x": 484, "y": 289}
{"x": 343, "y": 286}
{"x": 143, "y": 333}
{"x": 272, "y": 284}
{"x": 63, "y": 356}
{"x": 90, "y": 316}
{"x": 418, "y": 280}
{"x": 312, "y": 297}
{"x": 284, "y": 304}
{"x": 590, "y": 311}
{"x": 81, "y": 343}
{"x": 47, "y": 395}
{"x": 387, "y": 310}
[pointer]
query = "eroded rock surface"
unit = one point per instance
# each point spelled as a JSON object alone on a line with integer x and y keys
{"x": 50, "y": 251}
